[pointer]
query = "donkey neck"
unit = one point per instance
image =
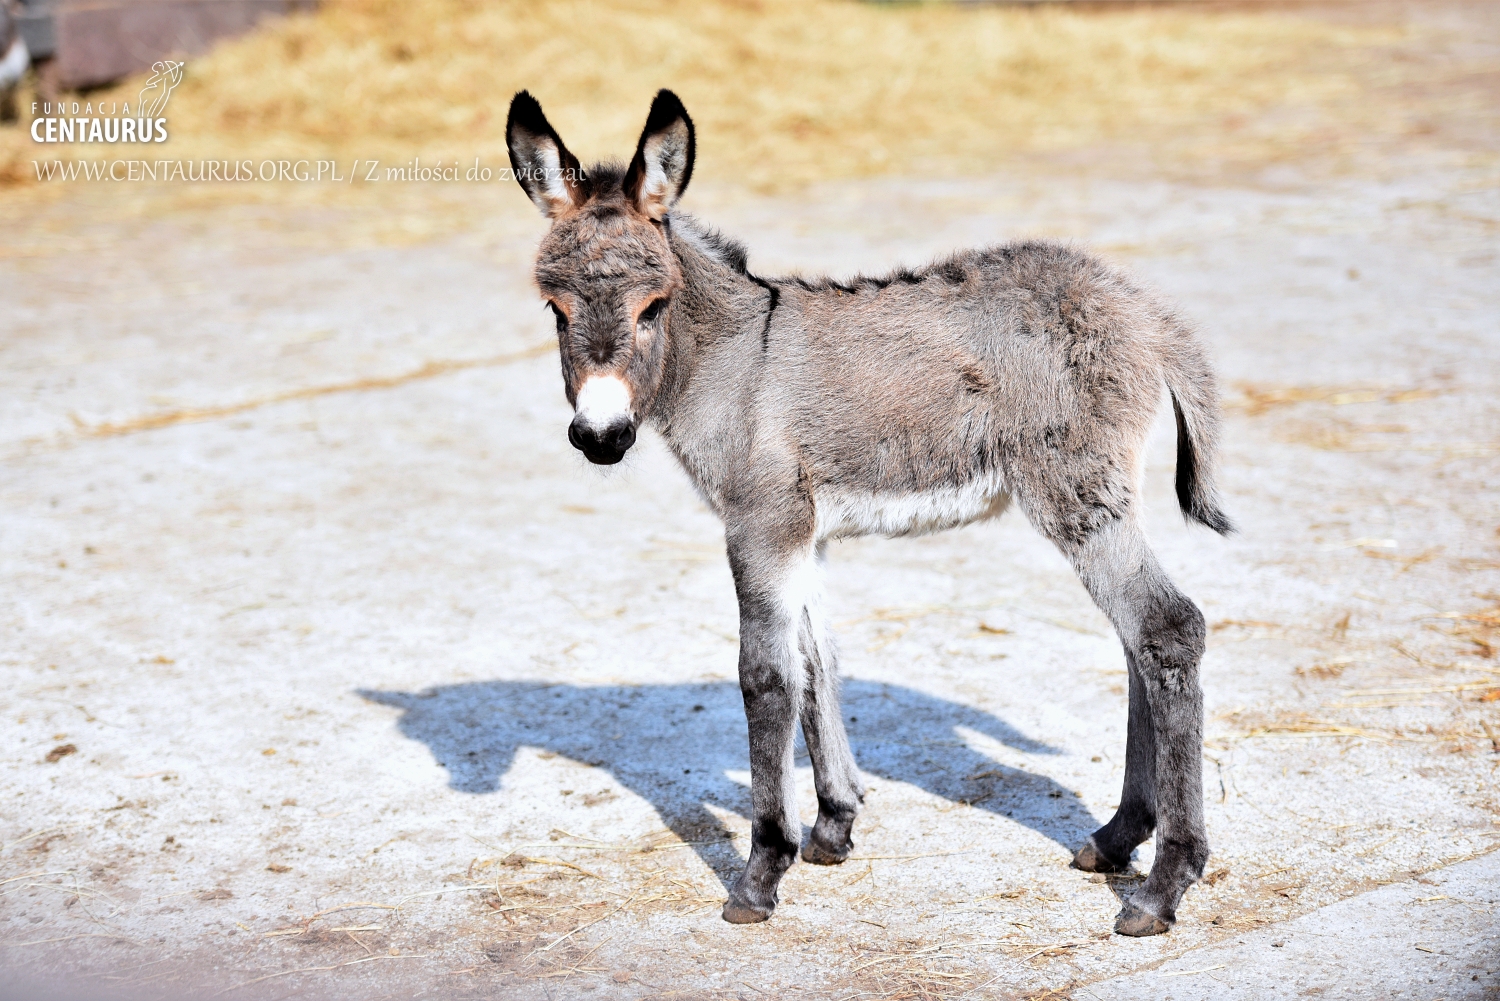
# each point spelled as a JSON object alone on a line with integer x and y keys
{"x": 718, "y": 307}
{"x": 714, "y": 352}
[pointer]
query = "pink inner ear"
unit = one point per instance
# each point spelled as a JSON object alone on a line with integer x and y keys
{"x": 664, "y": 156}
{"x": 554, "y": 184}
{"x": 548, "y": 172}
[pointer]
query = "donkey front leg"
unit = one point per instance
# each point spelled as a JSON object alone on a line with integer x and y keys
{"x": 772, "y": 588}
{"x": 840, "y": 791}
{"x": 1163, "y": 635}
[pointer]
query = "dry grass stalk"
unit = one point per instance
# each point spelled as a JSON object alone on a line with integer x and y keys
{"x": 304, "y": 926}
{"x": 1243, "y": 624}
{"x": 1052, "y": 949}
{"x": 35, "y": 875}
{"x": 310, "y": 969}
{"x": 1306, "y": 726}
{"x": 1193, "y": 973}
{"x": 905, "y": 858}
{"x": 1477, "y": 629}
{"x": 1332, "y": 668}
{"x": 1427, "y": 690}
{"x": 44, "y": 832}
{"x": 1407, "y": 562}
{"x": 69, "y": 938}
{"x": 656, "y": 841}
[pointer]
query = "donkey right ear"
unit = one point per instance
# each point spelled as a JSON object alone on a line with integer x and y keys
{"x": 547, "y": 172}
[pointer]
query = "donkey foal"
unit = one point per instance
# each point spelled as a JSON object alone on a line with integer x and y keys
{"x": 921, "y": 400}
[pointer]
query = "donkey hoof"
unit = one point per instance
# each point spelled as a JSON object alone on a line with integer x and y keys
{"x": 1091, "y": 859}
{"x": 1137, "y": 923}
{"x": 820, "y": 854}
{"x": 737, "y": 912}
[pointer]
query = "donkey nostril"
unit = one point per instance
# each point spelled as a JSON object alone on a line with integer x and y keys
{"x": 575, "y": 437}
{"x": 623, "y": 437}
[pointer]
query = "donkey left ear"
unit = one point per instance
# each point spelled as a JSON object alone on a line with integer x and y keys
{"x": 663, "y": 162}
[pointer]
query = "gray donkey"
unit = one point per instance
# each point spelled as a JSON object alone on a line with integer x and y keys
{"x": 917, "y": 401}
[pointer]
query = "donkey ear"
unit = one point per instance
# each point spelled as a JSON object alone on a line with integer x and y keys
{"x": 663, "y": 162}
{"x": 548, "y": 173}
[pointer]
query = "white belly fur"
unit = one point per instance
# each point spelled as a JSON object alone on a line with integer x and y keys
{"x": 844, "y": 513}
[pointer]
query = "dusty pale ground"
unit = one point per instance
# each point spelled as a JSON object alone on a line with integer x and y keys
{"x": 375, "y": 688}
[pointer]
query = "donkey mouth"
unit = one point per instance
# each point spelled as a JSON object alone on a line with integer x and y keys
{"x": 602, "y": 447}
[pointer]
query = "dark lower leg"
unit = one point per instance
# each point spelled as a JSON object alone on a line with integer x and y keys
{"x": 836, "y": 778}
{"x": 775, "y": 831}
{"x": 1168, "y": 664}
{"x": 1108, "y": 849}
{"x": 840, "y": 790}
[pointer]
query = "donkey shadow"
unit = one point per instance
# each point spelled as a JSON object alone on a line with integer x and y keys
{"x": 673, "y": 744}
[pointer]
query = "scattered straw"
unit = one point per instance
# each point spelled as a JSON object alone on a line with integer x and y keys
{"x": 789, "y": 91}
{"x": 589, "y": 924}
{"x": 1256, "y": 400}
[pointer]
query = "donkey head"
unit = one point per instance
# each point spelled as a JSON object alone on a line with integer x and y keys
{"x": 605, "y": 267}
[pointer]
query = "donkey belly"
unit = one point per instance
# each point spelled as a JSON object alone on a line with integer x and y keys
{"x": 843, "y": 512}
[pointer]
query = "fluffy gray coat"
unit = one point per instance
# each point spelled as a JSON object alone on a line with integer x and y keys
{"x": 900, "y": 404}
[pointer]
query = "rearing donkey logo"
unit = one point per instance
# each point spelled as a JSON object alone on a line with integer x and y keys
{"x": 912, "y": 402}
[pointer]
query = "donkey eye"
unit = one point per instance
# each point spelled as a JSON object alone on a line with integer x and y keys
{"x": 562, "y": 319}
{"x": 651, "y": 312}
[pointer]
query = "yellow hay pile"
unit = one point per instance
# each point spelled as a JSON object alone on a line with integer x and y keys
{"x": 784, "y": 91}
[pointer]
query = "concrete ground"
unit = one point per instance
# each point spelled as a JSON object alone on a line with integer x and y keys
{"x": 331, "y": 670}
{"x": 1434, "y": 936}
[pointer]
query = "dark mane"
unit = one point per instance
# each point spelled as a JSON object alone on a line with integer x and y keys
{"x": 730, "y": 251}
{"x": 726, "y": 250}
{"x": 954, "y": 269}
{"x": 604, "y": 178}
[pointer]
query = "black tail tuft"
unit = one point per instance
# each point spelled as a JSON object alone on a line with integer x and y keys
{"x": 1195, "y": 497}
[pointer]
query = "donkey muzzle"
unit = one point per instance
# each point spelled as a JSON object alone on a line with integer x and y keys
{"x": 602, "y": 446}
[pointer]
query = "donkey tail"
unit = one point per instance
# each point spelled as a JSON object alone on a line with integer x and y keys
{"x": 1195, "y": 401}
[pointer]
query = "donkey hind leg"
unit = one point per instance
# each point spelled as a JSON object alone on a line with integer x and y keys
{"x": 840, "y": 790}
{"x": 1163, "y": 635}
{"x": 772, "y": 679}
{"x": 1108, "y": 849}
